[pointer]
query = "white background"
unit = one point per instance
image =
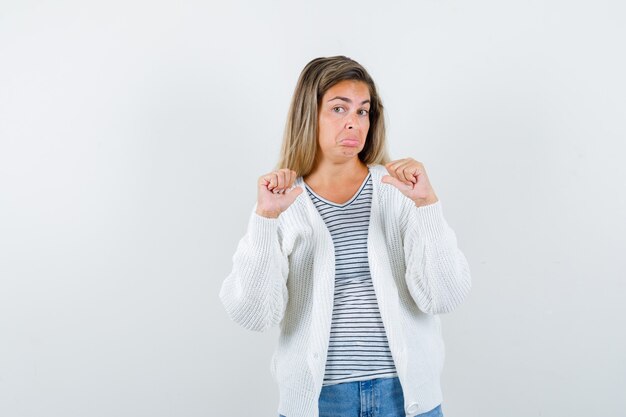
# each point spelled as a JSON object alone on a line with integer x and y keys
{"x": 131, "y": 137}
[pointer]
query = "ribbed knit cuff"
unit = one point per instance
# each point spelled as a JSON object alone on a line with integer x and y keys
{"x": 429, "y": 220}
{"x": 262, "y": 229}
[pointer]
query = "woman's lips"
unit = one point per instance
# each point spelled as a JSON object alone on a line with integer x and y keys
{"x": 350, "y": 142}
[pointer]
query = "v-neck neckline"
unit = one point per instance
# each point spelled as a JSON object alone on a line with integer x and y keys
{"x": 332, "y": 203}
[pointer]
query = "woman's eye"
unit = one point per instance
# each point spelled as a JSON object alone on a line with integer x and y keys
{"x": 336, "y": 109}
{"x": 364, "y": 112}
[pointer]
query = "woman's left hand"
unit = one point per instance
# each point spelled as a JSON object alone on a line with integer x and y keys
{"x": 409, "y": 176}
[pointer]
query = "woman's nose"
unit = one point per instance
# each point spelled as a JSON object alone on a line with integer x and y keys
{"x": 351, "y": 122}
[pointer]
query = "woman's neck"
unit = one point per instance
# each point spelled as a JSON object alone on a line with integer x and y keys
{"x": 327, "y": 173}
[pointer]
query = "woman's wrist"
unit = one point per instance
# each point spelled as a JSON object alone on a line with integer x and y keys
{"x": 425, "y": 201}
{"x": 268, "y": 213}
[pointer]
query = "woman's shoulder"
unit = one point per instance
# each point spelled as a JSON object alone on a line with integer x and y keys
{"x": 377, "y": 170}
{"x": 386, "y": 192}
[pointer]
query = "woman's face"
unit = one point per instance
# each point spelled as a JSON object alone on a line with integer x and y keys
{"x": 343, "y": 120}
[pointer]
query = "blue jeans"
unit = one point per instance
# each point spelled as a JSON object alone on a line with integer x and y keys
{"x": 381, "y": 397}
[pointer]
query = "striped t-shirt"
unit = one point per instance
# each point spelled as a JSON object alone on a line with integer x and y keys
{"x": 358, "y": 349}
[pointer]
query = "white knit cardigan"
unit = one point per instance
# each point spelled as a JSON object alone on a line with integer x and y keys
{"x": 284, "y": 273}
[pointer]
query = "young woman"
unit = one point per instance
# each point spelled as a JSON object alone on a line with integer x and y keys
{"x": 350, "y": 254}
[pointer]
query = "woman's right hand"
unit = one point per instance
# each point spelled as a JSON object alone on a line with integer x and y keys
{"x": 275, "y": 194}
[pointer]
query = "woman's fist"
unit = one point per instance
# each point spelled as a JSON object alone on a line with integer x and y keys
{"x": 409, "y": 176}
{"x": 275, "y": 194}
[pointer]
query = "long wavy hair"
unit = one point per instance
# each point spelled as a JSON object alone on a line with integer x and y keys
{"x": 299, "y": 148}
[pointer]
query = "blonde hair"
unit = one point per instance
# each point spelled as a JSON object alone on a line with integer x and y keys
{"x": 299, "y": 148}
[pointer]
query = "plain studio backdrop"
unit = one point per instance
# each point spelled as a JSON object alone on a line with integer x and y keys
{"x": 132, "y": 135}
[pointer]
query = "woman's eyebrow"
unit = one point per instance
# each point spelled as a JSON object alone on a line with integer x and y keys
{"x": 347, "y": 99}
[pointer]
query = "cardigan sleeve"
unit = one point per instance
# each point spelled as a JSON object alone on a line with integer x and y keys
{"x": 437, "y": 272}
{"x": 255, "y": 292}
